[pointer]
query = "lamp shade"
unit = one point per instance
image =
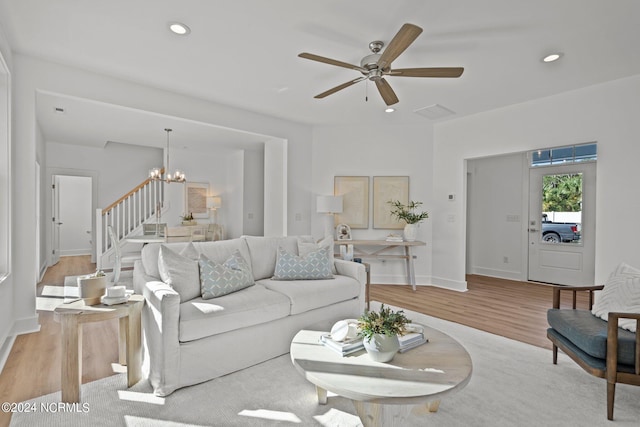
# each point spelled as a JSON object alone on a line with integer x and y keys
{"x": 214, "y": 202}
{"x": 329, "y": 204}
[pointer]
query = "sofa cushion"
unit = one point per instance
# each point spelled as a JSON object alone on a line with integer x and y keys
{"x": 190, "y": 252}
{"x": 200, "y": 318}
{"x": 217, "y": 279}
{"x": 621, "y": 293}
{"x": 180, "y": 272}
{"x": 306, "y": 246}
{"x": 263, "y": 252}
{"x": 316, "y": 265}
{"x": 221, "y": 250}
{"x": 305, "y": 295}
{"x": 589, "y": 333}
{"x": 216, "y": 251}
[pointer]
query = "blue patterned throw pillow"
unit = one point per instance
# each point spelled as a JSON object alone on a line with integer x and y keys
{"x": 315, "y": 266}
{"x": 217, "y": 280}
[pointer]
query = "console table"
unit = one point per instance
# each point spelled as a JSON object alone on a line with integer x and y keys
{"x": 381, "y": 246}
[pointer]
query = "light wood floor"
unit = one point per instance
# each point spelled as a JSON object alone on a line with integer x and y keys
{"x": 515, "y": 310}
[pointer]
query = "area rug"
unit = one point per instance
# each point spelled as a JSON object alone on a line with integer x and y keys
{"x": 513, "y": 384}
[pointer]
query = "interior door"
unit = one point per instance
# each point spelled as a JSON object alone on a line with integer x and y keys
{"x": 55, "y": 220}
{"x": 562, "y": 247}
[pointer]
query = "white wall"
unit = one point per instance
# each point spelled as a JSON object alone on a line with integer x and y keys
{"x": 495, "y": 198}
{"x": 120, "y": 167}
{"x": 607, "y": 113}
{"x": 253, "y": 220}
{"x": 6, "y": 194}
{"x": 33, "y": 74}
{"x": 223, "y": 171}
{"x": 382, "y": 150}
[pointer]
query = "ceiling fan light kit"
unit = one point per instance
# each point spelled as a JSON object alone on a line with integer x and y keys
{"x": 376, "y": 66}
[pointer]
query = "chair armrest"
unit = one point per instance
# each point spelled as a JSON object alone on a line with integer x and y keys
{"x": 612, "y": 342}
{"x": 574, "y": 290}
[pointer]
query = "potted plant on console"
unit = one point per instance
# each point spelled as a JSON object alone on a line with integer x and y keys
{"x": 380, "y": 332}
{"x": 408, "y": 214}
{"x": 187, "y": 219}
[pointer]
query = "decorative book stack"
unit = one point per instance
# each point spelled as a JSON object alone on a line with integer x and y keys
{"x": 343, "y": 348}
{"x": 413, "y": 338}
{"x": 394, "y": 238}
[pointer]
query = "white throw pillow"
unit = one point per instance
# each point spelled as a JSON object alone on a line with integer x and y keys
{"x": 306, "y": 246}
{"x": 621, "y": 293}
{"x": 217, "y": 280}
{"x": 180, "y": 272}
{"x": 190, "y": 252}
{"x": 314, "y": 266}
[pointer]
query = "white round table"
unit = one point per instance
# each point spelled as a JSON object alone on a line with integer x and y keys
{"x": 385, "y": 394}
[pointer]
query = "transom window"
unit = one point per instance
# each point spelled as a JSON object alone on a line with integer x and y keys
{"x": 565, "y": 155}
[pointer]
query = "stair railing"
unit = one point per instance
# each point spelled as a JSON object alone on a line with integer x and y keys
{"x": 127, "y": 214}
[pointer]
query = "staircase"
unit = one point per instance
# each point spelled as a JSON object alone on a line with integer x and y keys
{"x": 126, "y": 215}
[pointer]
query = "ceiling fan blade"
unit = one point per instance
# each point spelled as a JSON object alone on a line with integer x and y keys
{"x": 427, "y": 72}
{"x": 337, "y": 88}
{"x": 330, "y": 61}
{"x": 386, "y": 92}
{"x": 407, "y": 34}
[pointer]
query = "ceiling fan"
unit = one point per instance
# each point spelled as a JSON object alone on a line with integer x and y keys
{"x": 376, "y": 66}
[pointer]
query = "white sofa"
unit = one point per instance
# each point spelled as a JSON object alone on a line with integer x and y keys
{"x": 200, "y": 339}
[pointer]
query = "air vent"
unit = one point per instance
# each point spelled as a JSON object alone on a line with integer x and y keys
{"x": 435, "y": 111}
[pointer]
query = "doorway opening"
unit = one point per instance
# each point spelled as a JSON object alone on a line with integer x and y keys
{"x": 71, "y": 216}
{"x": 516, "y": 233}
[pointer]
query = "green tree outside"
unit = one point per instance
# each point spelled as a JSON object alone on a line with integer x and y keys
{"x": 562, "y": 193}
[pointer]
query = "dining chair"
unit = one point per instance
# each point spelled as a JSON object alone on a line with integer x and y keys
{"x": 128, "y": 258}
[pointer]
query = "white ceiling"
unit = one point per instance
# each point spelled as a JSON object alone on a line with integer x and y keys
{"x": 243, "y": 53}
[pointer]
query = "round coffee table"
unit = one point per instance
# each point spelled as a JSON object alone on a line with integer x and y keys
{"x": 385, "y": 394}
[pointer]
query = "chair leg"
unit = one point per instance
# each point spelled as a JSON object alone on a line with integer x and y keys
{"x": 555, "y": 354}
{"x": 611, "y": 394}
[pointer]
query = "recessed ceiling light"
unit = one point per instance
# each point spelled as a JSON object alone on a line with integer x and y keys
{"x": 179, "y": 28}
{"x": 389, "y": 110}
{"x": 552, "y": 57}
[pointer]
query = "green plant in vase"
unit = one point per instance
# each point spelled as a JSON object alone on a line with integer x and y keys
{"x": 380, "y": 330}
{"x": 187, "y": 219}
{"x": 410, "y": 215}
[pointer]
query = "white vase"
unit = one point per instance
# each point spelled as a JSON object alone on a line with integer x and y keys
{"x": 91, "y": 288}
{"x": 381, "y": 348}
{"x": 411, "y": 232}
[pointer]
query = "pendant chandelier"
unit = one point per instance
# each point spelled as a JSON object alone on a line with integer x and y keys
{"x": 156, "y": 174}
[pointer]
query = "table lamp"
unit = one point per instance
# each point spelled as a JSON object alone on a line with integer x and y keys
{"x": 213, "y": 203}
{"x": 329, "y": 205}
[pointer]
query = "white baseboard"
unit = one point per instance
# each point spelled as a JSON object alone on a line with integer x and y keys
{"x": 5, "y": 349}
{"x": 388, "y": 279}
{"x": 25, "y": 325}
{"x": 75, "y": 252}
{"x": 454, "y": 285}
{"x": 494, "y": 272}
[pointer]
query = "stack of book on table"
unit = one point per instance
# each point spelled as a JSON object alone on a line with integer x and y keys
{"x": 342, "y": 347}
{"x": 394, "y": 238}
{"x": 412, "y": 338}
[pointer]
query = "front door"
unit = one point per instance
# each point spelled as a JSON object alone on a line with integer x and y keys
{"x": 562, "y": 224}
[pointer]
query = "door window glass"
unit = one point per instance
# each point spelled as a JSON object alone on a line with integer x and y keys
{"x": 561, "y": 208}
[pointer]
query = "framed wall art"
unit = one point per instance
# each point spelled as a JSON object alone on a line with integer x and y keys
{"x": 385, "y": 189}
{"x": 355, "y": 200}
{"x": 195, "y": 199}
